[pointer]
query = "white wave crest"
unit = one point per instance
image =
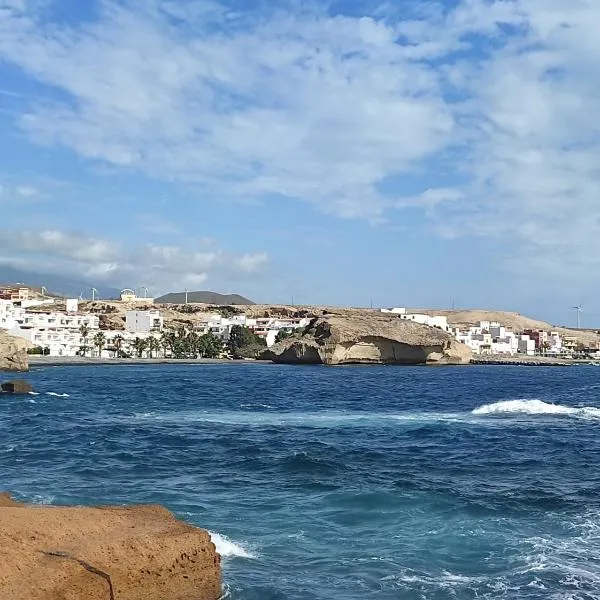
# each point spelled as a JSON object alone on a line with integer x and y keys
{"x": 57, "y": 395}
{"x": 33, "y": 393}
{"x": 226, "y": 548}
{"x": 535, "y": 407}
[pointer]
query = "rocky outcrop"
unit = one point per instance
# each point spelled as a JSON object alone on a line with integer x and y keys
{"x": 343, "y": 339}
{"x": 137, "y": 553}
{"x": 16, "y": 386}
{"x": 13, "y": 353}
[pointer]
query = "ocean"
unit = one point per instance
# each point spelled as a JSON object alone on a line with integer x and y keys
{"x": 335, "y": 483}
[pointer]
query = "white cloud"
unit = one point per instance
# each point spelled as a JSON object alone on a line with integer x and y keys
{"x": 26, "y": 191}
{"x": 303, "y": 105}
{"x": 161, "y": 268}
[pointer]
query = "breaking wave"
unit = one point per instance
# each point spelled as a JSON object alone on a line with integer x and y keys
{"x": 57, "y": 395}
{"x": 226, "y": 548}
{"x": 535, "y": 407}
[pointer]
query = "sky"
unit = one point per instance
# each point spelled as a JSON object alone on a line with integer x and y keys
{"x": 395, "y": 153}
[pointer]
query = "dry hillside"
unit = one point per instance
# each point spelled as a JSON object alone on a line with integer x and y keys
{"x": 180, "y": 314}
{"x": 511, "y": 320}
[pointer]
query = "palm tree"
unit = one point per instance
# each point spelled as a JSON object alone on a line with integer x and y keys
{"x": 167, "y": 341}
{"x": 192, "y": 344}
{"x": 100, "y": 342}
{"x": 153, "y": 345}
{"x": 118, "y": 344}
{"x": 84, "y": 331}
{"x": 140, "y": 345}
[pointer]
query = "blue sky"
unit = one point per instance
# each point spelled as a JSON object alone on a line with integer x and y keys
{"x": 412, "y": 153}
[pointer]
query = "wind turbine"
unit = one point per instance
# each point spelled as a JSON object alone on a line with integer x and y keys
{"x": 94, "y": 292}
{"x": 44, "y": 291}
{"x": 145, "y": 291}
{"x": 579, "y": 309}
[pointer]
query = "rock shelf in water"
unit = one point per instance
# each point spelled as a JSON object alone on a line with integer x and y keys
{"x": 336, "y": 339}
{"x": 112, "y": 553}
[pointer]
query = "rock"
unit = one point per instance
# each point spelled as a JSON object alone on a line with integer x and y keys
{"x": 13, "y": 353}
{"x": 75, "y": 553}
{"x": 338, "y": 339}
{"x": 17, "y": 386}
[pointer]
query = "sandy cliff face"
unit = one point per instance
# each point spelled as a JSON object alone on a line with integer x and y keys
{"x": 137, "y": 553}
{"x": 343, "y": 339}
{"x": 13, "y": 353}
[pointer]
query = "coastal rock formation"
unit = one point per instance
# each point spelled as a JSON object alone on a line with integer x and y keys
{"x": 336, "y": 339}
{"x": 13, "y": 353}
{"x": 136, "y": 553}
{"x": 17, "y": 386}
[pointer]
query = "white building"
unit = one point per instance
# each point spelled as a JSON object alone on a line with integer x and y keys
{"x": 432, "y": 321}
{"x": 143, "y": 321}
{"x": 526, "y": 345}
{"x": 395, "y": 311}
{"x": 58, "y": 333}
{"x": 130, "y": 297}
{"x": 10, "y": 315}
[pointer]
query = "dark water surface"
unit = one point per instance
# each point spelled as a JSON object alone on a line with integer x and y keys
{"x": 336, "y": 483}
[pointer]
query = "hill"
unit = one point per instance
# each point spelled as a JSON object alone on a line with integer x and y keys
{"x": 203, "y": 297}
{"x": 54, "y": 284}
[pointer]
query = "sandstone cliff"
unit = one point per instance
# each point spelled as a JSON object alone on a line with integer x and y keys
{"x": 13, "y": 353}
{"x": 336, "y": 339}
{"x": 137, "y": 553}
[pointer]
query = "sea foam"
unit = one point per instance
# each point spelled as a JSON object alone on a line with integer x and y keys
{"x": 57, "y": 395}
{"x": 535, "y": 407}
{"x": 226, "y": 548}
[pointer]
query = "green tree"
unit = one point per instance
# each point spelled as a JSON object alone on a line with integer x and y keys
{"x": 167, "y": 341}
{"x": 118, "y": 345}
{"x": 140, "y": 346}
{"x": 244, "y": 343}
{"x": 209, "y": 346}
{"x": 153, "y": 345}
{"x": 84, "y": 332}
{"x": 100, "y": 342}
{"x": 192, "y": 343}
{"x": 283, "y": 334}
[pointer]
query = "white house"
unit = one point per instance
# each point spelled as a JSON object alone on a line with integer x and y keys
{"x": 10, "y": 315}
{"x": 143, "y": 321}
{"x": 526, "y": 345}
{"x": 395, "y": 311}
{"x": 435, "y": 321}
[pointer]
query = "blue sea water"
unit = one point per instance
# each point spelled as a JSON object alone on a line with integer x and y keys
{"x": 335, "y": 483}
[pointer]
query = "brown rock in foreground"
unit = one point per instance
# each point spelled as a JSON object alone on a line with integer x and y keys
{"x": 337, "y": 339}
{"x": 73, "y": 553}
{"x": 13, "y": 353}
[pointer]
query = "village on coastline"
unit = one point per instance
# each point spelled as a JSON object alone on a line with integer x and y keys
{"x": 59, "y": 327}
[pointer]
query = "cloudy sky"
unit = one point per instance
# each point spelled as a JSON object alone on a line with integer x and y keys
{"x": 400, "y": 152}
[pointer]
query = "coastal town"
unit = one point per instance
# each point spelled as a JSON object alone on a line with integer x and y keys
{"x": 135, "y": 327}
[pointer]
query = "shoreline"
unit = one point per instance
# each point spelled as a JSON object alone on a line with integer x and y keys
{"x": 530, "y": 361}
{"x": 71, "y": 361}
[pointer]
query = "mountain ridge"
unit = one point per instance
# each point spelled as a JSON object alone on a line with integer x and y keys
{"x": 203, "y": 297}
